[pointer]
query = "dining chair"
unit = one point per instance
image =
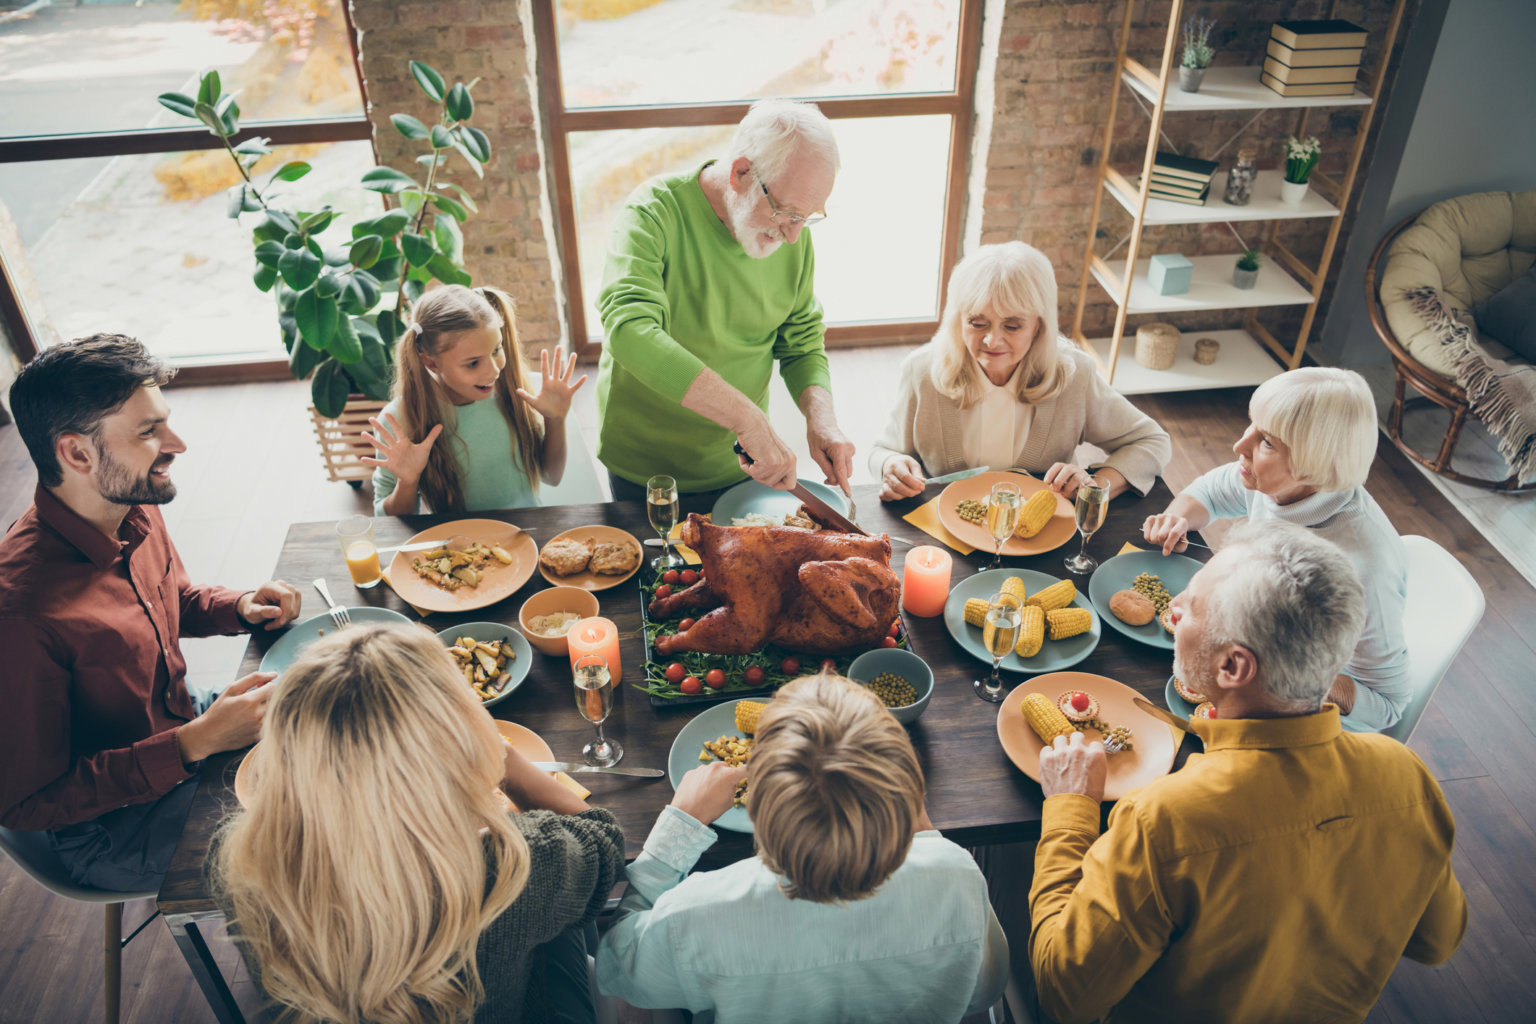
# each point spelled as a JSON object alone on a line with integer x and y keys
{"x": 1443, "y": 606}
{"x": 31, "y": 852}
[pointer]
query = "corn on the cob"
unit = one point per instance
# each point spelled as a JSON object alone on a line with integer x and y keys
{"x": 1013, "y": 587}
{"x": 1065, "y": 622}
{"x": 976, "y": 611}
{"x": 1057, "y": 595}
{"x": 1035, "y": 513}
{"x": 1045, "y": 718}
{"x": 1031, "y": 632}
{"x": 747, "y": 714}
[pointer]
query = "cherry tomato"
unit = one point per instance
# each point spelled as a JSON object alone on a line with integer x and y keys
{"x": 829, "y": 665}
{"x": 755, "y": 675}
{"x": 691, "y": 685}
{"x": 675, "y": 672}
{"x": 685, "y": 625}
{"x": 895, "y": 629}
{"x": 663, "y": 591}
{"x": 790, "y": 666}
{"x": 889, "y": 641}
{"x": 688, "y": 577}
{"x": 715, "y": 679}
{"x": 670, "y": 576}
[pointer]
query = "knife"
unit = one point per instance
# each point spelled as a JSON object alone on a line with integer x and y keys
{"x": 571, "y": 766}
{"x": 1166, "y": 716}
{"x": 820, "y": 510}
{"x": 964, "y": 474}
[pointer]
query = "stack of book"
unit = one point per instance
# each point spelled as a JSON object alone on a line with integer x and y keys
{"x": 1313, "y": 58}
{"x": 1181, "y": 179}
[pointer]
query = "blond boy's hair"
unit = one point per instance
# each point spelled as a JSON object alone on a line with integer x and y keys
{"x": 834, "y": 790}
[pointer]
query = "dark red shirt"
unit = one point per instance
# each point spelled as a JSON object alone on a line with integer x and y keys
{"x": 92, "y": 681}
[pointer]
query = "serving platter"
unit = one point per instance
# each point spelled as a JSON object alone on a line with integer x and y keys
{"x": 750, "y": 497}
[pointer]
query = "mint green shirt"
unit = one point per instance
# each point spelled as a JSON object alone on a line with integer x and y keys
{"x": 481, "y": 440}
{"x": 679, "y": 294}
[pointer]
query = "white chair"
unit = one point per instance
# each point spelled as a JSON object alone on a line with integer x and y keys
{"x": 1444, "y": 605}
{"x": 32, "y": 854}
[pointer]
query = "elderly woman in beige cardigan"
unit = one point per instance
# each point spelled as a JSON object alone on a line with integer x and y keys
{"x": 998, "y": 387}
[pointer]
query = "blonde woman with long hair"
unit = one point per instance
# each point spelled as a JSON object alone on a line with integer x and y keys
{"x": 463, "y": 432}
{"x": 998, "y": 387}
{"x": 376, "y": 874}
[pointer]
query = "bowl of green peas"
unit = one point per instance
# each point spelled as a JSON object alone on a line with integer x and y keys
{"x": 901, "y": 679}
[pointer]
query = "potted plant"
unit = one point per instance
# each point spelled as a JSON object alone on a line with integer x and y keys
{"x": 1301, "y": 155}
{"x": 1197, "y": 53}
{"x": 1246, "y": 274}
{"x": 341, "y": 305}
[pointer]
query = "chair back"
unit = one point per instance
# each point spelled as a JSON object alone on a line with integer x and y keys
{"x": 1444, "y": 605}
{"x": 31, "y": 852}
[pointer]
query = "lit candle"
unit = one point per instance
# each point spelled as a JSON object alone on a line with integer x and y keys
{"x": 596, "y": 635}
{"x": 925, "y": 581}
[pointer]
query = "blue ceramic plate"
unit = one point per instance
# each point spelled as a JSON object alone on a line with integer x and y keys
{"x": 301, "y": 634}
{"x": 1178, "y": 705}
{"x": 710, "y": 724}
{"x": 1054, "y": 655}
{"x": 490, "y": 632}
{"x": 1118, "y": 573}
{"x": 751, "y": 496}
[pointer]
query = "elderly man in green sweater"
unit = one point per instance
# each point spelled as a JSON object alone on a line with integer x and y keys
{"x": 709, "y": 282}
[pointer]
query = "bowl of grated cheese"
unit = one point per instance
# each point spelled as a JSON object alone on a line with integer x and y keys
{"x": 548, "y": 616}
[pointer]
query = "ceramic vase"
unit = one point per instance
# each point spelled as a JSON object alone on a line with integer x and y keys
{"x": 1245, "y": 279}
{"x": 1292, "y": 192}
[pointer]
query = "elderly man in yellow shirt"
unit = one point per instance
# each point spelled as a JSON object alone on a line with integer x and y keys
{"x": 1279, "y": 875}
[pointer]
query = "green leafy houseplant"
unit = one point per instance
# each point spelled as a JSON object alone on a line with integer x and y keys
{"x": 1249, "y": 260}
{"x": 1301, "y": 156}
{"x": 1198, "y": 52}
{"x": 334, "y": 301}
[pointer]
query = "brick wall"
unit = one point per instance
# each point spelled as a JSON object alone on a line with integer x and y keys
{"x": 509, "y": 243}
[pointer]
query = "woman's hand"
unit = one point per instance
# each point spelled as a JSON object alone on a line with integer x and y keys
{"x": 901, "y": 477}
{"x": 553, "y": 401}
{"x": 399, "y": 455}
{"x": 1167, "y": 531}
{"x": 1065, "y": 478}
{"x": 708, "y": 791}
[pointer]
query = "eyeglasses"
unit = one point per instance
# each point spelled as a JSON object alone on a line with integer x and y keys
{"x": 784, "y": 216}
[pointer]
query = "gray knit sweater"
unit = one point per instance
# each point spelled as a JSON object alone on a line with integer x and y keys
{"x": 931, "y": 428}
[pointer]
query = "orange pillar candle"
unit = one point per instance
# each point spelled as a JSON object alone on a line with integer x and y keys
{"x": 925, "y": 581}
{"x": 596, "y": 635}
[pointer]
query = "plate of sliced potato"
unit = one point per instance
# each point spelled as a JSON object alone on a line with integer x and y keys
{"x": 494, "y": 658}
{"x": 1044, "y": 525}
{"x": 480, "y": 562}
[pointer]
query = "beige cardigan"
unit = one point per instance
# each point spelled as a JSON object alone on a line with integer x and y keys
{"x": 931, "y": 428}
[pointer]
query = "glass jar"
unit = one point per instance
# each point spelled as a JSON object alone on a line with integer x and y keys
{"x": 1240, "y": 179}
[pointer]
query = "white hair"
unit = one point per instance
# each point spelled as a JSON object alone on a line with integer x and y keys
{"x": 1014, "y": 279}
{"x": 1327, "y": 418}
{"x": 1293, "y": 599}
{"x": 775, "y": 130}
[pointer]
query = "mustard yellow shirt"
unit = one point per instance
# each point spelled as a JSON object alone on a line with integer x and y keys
{"x": 1278, "y": 876}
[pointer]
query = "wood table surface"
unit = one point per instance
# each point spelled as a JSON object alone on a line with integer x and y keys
{"x": 975, "y": 794}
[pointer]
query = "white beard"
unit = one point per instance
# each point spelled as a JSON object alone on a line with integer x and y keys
{"x": 740, "y": 209}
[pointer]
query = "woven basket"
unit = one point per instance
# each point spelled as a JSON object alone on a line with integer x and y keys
{"x": 341, "y": 440}
{"x": 1156, "y": 345}
{"x": 1205, "y": 350}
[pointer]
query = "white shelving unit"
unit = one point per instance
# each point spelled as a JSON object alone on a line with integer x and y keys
{"x": 1210, "y": 287}
{"x": 1237, "y": 89}
{"x": 1243, "y": 362}
{"x": 1266, "y": 204}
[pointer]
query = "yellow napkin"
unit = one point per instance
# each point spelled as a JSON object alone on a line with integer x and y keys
{"x": 384, "y": 575}
{"x": 572, "y": 785}
{"x": 926, "y": 518}
{"x": 689, "y": 555}
{"x": 1128, "y": 547}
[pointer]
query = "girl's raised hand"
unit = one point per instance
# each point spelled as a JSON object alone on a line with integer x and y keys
{"x": 397, "y": 453}
{"x": 553, "y": 401}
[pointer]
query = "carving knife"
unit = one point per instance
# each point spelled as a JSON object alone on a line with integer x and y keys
{"x": 820, "y": 510}
{"x": 1165, "y": 716}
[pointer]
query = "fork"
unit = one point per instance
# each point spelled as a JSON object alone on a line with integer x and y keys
{"x": 338, "y": 614}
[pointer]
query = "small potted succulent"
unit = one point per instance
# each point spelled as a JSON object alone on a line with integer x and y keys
{"x": 1246, "y": 274}
{"x": 1301, "y": 155}
{"x": 1197, "y": 53}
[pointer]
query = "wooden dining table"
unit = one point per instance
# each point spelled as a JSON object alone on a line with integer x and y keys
{"x": 976, "y": 796}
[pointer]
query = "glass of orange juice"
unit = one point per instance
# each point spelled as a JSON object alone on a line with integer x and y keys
{"x": 356, "y": 536}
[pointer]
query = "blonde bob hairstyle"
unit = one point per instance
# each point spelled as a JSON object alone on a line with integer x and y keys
{"x": 375, "y": 849}
{"x": 834, "y": 790}
{"x": 1327, "y": 418}
{"x": 775, "y": 130}
{"x": 1011, "y": 279}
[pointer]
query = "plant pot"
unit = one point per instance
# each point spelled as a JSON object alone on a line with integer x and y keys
{"x": 1292, "y": 192}
{"x": 1245, "y": 279}
{"x": 1189, "y": 78}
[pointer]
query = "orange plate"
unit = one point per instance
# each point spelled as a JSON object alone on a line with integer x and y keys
{"x": 1152, "y": 754}
{"x": 497, "y": 582}
{"x": 594, "y": 535}
{"x": 1057, "y": 532}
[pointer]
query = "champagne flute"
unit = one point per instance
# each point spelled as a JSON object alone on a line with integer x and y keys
{"x": 1091, "y": 507}
{"x": 594, "y": 699}
{"x": 1001, "y": 633}
{"x": 661, "y": 507}
{"x": 1003, "y": 516}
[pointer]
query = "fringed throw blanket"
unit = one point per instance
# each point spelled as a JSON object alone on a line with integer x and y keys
{"x": 1502, "y": 395}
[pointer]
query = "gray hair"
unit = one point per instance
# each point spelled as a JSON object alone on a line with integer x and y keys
{"x": 1326, "y": 416}
{"x": 1294, "y": 600}
{"x": 775, "y": 130}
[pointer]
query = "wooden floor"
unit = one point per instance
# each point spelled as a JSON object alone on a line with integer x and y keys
{"x": 252, "y": 469}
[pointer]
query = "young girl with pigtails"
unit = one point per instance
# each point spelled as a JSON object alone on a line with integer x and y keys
{"x": 462, "y": 432}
